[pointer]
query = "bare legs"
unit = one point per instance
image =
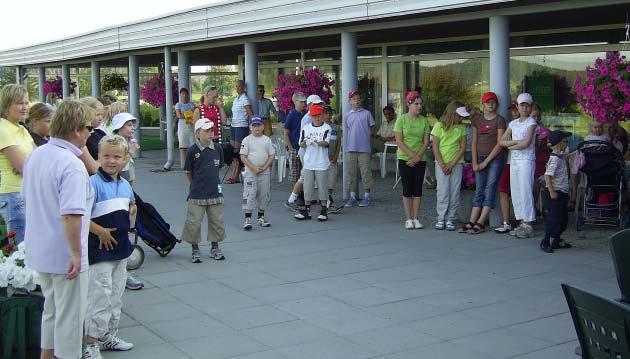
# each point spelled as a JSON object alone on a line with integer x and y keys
{"x": 481, "y": 215}
{"x": 412, "y": 206}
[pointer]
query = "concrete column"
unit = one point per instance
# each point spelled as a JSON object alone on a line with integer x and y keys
{"x": 500, "y": 78}
{"x": 65, "y": 81}
{"x": 251, "y": 74}
{"x": 168, "y": 79}
{"x": 348, "y": 83}
{"x": 41, "y": 82}
{"x": 95, "y": 72}
{"x": 134, "y": 92}
{"x": 18, "y": 75}
{"x": 183, "y": 70}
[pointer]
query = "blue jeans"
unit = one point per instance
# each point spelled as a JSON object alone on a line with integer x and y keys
{"x": 12, "y": 210}
{"x": 486, "y": 181}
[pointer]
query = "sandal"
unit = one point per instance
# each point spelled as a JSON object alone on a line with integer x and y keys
{"x": 477, "y": 228}
{"x": 466, "y": 227}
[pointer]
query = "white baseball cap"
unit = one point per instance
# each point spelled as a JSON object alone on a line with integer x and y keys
{"x": 204, "y": 124}
{"x": 524, "y": 97}
{"x": 313, "y": 99}
{"x": 462, "y": 111}
{"x": 120, "y": 119}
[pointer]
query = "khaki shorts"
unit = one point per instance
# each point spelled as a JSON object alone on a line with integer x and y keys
{"x": 332, "y": 175}
{"x": 256, "y": 191}
{"x": 192, "y": 228}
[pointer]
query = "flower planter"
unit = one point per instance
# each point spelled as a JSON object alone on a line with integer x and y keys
{"x": 20, "y": 325}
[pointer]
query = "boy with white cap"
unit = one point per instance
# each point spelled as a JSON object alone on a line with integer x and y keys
{"x": 203, "y": 161}
{"x": 519, "y": 138}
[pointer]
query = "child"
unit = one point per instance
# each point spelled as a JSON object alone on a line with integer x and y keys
{"x": 203, "y": 161}
{"x": 449, "y": 145}
{"x": 556, "y": 193}
{"x": 359, "y": 124}
{"x": 596, "y": 132}
{"x": 314, "y": 138}
{"x": 504, "y": 183}
{"x": 108, "y": 248}
{"x": 519, "y": 138}
{"x": 334, "y": 146}
{"x": 257, "y": 154}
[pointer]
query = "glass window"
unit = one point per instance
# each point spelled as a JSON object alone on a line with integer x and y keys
{"x": 369, "y": 85}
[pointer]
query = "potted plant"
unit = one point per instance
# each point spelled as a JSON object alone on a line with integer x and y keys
{"x": 56, "y": 86}
{"x": 114, "y": 82}
{"x": 153, "y": 91}
{"x": 309, "y": 82}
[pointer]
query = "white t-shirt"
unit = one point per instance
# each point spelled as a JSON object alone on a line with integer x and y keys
{"x": 316, "y": 156}
{"x": 257, "y": 149}
{"x": 305, "y": 121}
{"x": 557, "y": 169}
{"x": 239, "y": 114}
{"x": 519, "y": 132}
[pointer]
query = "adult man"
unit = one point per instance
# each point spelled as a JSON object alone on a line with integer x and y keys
{"x": 58, "y": 198}
{"x": 241, "y": 112}
{"x": 291, "y": 138}
{"x": 265, "y": 109}
{"x": 386, "y": 131}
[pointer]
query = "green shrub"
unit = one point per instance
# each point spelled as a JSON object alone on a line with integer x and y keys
{"x": 149, "y": 116}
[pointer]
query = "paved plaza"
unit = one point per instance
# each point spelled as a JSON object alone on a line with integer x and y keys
{"x": 357, "y": 286}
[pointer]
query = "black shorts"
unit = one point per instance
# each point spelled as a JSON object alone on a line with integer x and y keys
{"x": 412, "y": 178}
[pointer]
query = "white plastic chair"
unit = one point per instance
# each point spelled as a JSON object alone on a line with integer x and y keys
{"x": 281, "y": 157}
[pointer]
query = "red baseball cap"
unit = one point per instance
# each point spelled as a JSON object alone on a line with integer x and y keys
{"x": 353, "y": 92}
{"x": 315, "y": 110}
{"x": 489, "y": 96}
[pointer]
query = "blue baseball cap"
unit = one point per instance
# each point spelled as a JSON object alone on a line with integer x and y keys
{"x": 256, "y": 120}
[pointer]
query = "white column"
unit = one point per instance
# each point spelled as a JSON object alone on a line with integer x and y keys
{"x": 168, "y": 79}
{"x": 251, "y": 73}
{"x": 18, "y": 75}
{"x": 41, "y": 81}
{"x": 348, "y": 83}
{"x": 183, "y": 70}
{"x": 65, "y": 81}
{"x": 95, "y": 72}
{"x": 500, "y": 78}
{"x": 134, "y": 92}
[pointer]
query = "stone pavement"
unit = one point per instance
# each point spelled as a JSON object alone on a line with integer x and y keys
{"x": 357, "y": 286}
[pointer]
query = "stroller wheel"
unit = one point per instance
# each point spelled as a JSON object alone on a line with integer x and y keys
{"x": 136, "y": 258}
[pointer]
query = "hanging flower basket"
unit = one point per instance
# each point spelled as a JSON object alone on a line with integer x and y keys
{"x": 154, "y": 91}
{"x": 56, "y": 86}
{"x": 114, "y": 82}
{"x": 605, "y": 93}
{"x": 468, "y": 177}
{"x": 309, "y": 82}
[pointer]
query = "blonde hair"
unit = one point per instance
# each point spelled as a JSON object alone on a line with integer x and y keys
{"x": 50, "y": 98}
{"x": 93, "y": 102}
{"x": 71, "y": 115}
{"x": 10, "y": 94}
{"x": 113, "y": 110}
{"x": 114, "y": 141}
{"x": 449, "y": 115}
{"x": 39, "y": 111}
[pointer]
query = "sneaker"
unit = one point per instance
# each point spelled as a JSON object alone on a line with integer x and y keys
{"x": 365, "y": 202}
{"x": 248, "y": 223}
{"x": 351, "y": 202}
{"x": 515, "y": 230}
{"x": 262, "y": 222}
{"x": 409, "y": 224}
{"x": 546, "y": 247}
{"x": 112, "y": 342}
{"x": 417, "y": 224}
{"x": 133, "y": 283}
{"x": 322, "y": 217}
{"x": 439, "y": 225}
{"x": 302, "y": 215}
{"x": 504, "y": 228}
{"x": 196, "y": 256}
{"x": 450, "y": 226}
{"x": 91, "y": 351}
{"x": 216, "y": 254}
{"x": 292, "y": 206}
{"x": 526, "y": 232}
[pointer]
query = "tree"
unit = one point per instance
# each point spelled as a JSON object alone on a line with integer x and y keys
{"x": 7, "y": 76}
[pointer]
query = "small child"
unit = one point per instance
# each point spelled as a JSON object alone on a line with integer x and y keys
{"x": 203, "y": 161}
{"x": 449, "y": 145}
{"x": 596, "y": 132}
{"x": 358, "y": 124}
{"x": 108, "y": 248}
{"x": 334, "y": 146}
{"x": 556, "y": 193}
{"x": 519, "y": 138}
{"x": 314, "y": 138}
{"x": 257, "y": 154}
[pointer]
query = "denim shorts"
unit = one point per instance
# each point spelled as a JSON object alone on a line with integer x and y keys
{"x": 237, "y": 134}
{"x": 486, "y": 181}
{"x": 12, "y": 210}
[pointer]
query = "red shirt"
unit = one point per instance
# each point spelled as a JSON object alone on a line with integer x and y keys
{"x": 213, "y": 114}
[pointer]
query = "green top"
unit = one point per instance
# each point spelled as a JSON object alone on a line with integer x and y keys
{"x": 449, "y": 140}
{"x": 413, "y": 132}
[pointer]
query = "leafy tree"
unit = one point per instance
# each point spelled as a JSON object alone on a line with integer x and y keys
{"x": 7, "y": 76}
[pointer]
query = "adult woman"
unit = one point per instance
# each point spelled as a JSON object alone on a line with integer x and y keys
{"x": 38, "y": 122}
{"x": 488, "y": 159}
{"x": 212, "y": 109}
{"x": 184, "y": 112}
{"x": 15, "y": 145}
{"x": 412, "y": 137}
{"x": 239, "y": 129}
{"x": 97, "y": 133}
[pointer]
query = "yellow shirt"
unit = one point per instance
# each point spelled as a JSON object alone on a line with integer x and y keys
{"x": 12, "y": 135}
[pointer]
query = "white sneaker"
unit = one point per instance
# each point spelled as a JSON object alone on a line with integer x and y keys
{"x": 417, "y": 224}
{"x": 248, "y": 223}
{"x": 262, "y": 222}
{"x": 91, "y": 351}
{"x": 504, "y": 228}
{"x": 409, "y": 224}
{"x": 112, "y": 342}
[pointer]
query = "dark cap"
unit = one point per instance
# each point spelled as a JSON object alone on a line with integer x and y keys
{"x": 556, "y": 136}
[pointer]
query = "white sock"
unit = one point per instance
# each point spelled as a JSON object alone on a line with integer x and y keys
{"x": 366, "y": 195}
{"x": 353, "y": 195}
{"x": 293, "y": 197}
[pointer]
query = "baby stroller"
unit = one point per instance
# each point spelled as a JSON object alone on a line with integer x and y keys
{"x": 602, "y": 200}
{"x": 153, "y": 230}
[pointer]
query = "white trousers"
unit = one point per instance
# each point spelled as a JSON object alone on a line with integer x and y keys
{"x": 522, "y": 186}
{"x": 448, "y": 192}
{"x": 64, "y": 312}
{"x": 106, "y": 287}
